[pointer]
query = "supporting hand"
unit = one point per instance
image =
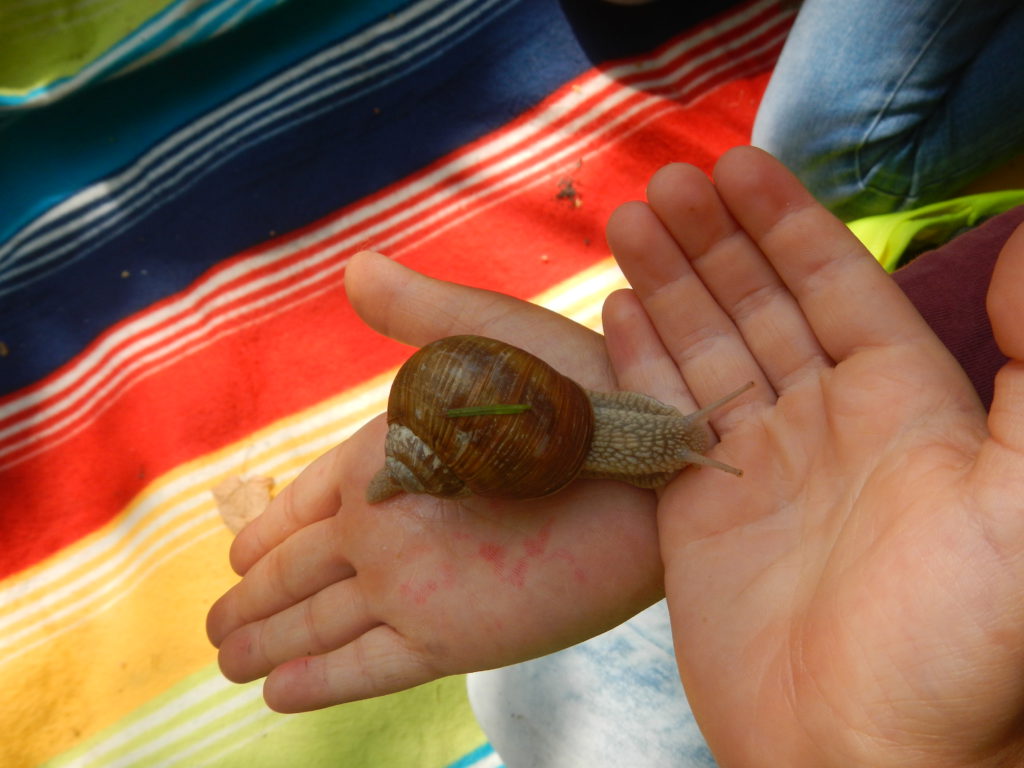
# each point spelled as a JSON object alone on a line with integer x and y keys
{"x": 341, "y": 600}
{"x": 854, "y": 599}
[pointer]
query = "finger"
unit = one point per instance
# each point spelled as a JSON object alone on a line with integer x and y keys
{"x": 324, "y": 622}
{"x": 700, "y": 338}
{"x": 737, "y": 275}
{"x": 374, "y": 664}
{"x": 1005, "y": 299}
{"x": 415, "y": 309}
{"x": 314, "y": 495}
{"x": 304, "y": 563}
{"x": 640, "y": 360}
{"x": 848, "y": 299}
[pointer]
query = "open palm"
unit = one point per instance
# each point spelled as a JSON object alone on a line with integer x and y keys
{"x": 854, "y": 599}
{"x": 342, "y": 600}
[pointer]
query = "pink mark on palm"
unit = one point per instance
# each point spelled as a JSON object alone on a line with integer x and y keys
{"x": 418, "y": 593}
{"x": 533, "y": 549}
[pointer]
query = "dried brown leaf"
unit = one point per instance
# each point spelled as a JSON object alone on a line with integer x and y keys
{"x": 242, "y": 500}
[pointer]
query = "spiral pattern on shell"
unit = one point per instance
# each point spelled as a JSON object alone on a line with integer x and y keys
{"x": 522, "y": 455}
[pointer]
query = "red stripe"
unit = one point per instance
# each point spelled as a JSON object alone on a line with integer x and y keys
{"x": 774, "y": 27}
{"x": 199, "y": 313}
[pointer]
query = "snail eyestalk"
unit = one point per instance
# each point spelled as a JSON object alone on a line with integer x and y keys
{"x": 495, "y": 409}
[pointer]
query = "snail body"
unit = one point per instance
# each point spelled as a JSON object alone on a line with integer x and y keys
{"x": 472, "y": 415}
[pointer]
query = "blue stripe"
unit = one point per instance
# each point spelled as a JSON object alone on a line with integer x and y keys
{"x": 320, "y": 83}
{"x": 474, "y": 757}
{"x": 47, "y": 154}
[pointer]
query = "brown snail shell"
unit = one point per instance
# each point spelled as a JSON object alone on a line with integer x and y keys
{"x": 561, "y": 433}
{"x": 525, "y": 455}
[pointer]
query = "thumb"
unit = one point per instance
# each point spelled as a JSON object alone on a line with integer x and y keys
{"x": 395, "y": 300}
{"x": 1006, "y": 311}
{"x": 416, "y": 309}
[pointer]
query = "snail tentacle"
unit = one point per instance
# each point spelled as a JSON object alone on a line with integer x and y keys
{"x": 382, "y": 487}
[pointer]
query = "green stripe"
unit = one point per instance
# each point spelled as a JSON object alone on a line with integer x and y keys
{"x": 204, "y": 720}
{"x": 55, "y": 38}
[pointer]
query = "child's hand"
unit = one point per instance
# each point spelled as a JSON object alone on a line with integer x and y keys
{"x": 341, "y": 600}
{"x": 855, "y": 598}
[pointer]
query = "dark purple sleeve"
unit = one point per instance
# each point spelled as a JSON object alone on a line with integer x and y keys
{"x": 948, "y": 286}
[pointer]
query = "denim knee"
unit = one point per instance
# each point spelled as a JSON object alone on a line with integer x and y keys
{"x": 849, "y": 178}
{"x": 878, "y": 106}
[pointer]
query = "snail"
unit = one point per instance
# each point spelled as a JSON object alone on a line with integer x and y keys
{"x": 472, "y": 415}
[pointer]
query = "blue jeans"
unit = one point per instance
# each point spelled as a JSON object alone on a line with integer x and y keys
{"x": 881, "y": 105}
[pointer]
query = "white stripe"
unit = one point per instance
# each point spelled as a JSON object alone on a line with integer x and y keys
{"x": 229, "y": 743}
{"x": 223, "y": 737}
{"x": 196, "y": 30}
{"x": 238, "y": 698}
{"x": 490, "y": 760}
{"x": 248, "y": 8}
{"x": 397, "y": 201}
{"x": 191, "y": 698}
{"x": 585, "y": 295}
{"x": 184, "y": 735}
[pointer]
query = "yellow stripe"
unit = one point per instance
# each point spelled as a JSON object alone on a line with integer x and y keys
{"x": 581, "y": 297}
{"x": 82, "y": 651}
{"x": 115, "y": 660}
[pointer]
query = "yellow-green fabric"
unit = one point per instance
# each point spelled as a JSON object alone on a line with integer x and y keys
{"x": 893, "y": 236}
{"x": 52, "y": 47}
{"x": 53, "y": 39}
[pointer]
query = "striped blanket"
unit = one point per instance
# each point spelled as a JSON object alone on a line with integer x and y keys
{"x": 181, "y": 185}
